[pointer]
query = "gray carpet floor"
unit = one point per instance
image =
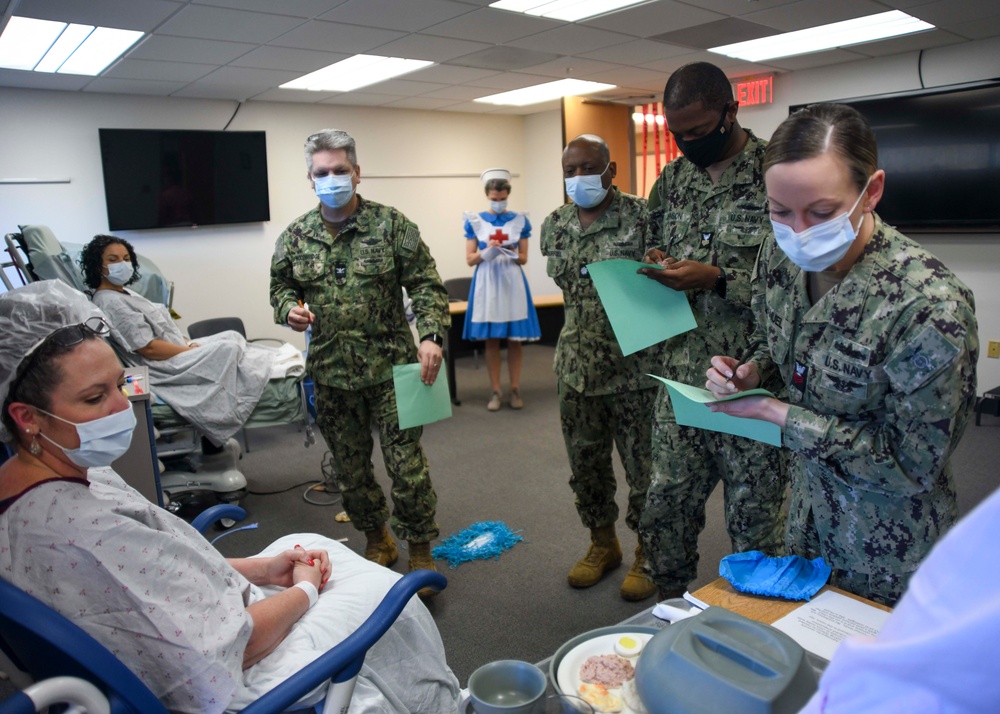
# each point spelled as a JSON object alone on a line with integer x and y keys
{"x": 509, "y": 466}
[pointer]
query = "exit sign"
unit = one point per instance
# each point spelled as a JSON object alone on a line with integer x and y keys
{"x": 754, "y": 90}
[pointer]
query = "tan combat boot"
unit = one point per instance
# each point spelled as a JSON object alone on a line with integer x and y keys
{"x": 421, "y": 559}
{"x": 381, "y": 547}
{"x": 605, "y": 554}
{"x": 637, "y": 585}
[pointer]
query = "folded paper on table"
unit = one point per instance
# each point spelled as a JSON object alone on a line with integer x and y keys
{"x": 690, "y": 410}
{"x": 418, "y": 403}
{"x": 642, "y": 312}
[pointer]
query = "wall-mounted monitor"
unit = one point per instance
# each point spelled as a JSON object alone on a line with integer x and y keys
{"x": 941, "y": 153}
{"x": 161, "y": 178}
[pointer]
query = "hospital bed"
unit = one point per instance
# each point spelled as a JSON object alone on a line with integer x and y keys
{"x": 44, "y": 644}
{"x": 37, "y": 254}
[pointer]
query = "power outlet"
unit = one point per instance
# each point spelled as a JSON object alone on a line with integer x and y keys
{"x": 993, "y": 349}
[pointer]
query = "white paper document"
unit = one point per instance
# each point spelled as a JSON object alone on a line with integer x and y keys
{"x": 828, "y": 618}
{"x": 493, "y": 252}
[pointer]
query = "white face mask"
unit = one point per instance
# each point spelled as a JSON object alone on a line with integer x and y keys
{"x": 498, "y": 206}
{"x": 587, "y": 191}
{"x": 101, "y": 440}
{"x": 120, "y": 273}
{"x": 335, "y": 190}
{"x": 818, "y": 247}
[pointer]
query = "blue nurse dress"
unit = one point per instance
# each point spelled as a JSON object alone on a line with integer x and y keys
{"x": 500, "y": 303}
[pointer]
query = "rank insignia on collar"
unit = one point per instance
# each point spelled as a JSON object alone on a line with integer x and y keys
{"x": 584, "y": 272}
{"x": 340, "y": 273}
{"x": 706, "y": 238}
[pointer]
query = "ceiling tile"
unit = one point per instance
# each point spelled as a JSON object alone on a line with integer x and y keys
{"x": 428, "y": 47}
{"x": 508, "y": 80}
{"x": 187, "y": 49}
{"x": 716, "y": 33}
{"x": 911, "y": 43}
{"x": 814, "y": 59}
{"x": 112, "y": 85}
{"x": 978, "y": 30}
{"x": 292, "y": 95}
{"x": 234, "y": 25}
{"x": 458, "y": 93}
{"x": 501, "y": 57}
{"x": 810, "y": 13}
{"x": 409, "y": 16}
{"x": 158, "y": 71}
{"x": 744, "y": 7}
{"x": 354, "y": 99}
{"x": 474, "y": 108}
{"x": 571, "y": 39}
{"x": 123, "y": 14}
{"x": 428, "y": 103}
{"x": 288, "y": 58}
{"x": 492, "y": 26}
{"x": 236, "y": 82}
{"x": 42, "y": 80}
{"x": 631, "y": 76}
{"x": 635, "y": 52}
{"x": 292, "y": 8}
{"x": 570, "y": 67}
{"x": 400, "y": 87}
{"x": 943, "y": 14}
{"x": 329, "y": 36}
{"x": 654, "y": 18}
{"x": 449, "y": 74}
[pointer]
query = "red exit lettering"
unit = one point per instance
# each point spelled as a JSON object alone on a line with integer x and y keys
{"x": 755, "y": 91}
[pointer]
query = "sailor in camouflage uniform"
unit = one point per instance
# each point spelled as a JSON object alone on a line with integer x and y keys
{"x": 341, "y": 268}
{"x": 604, "y": 397}
{"x": 877, "y": 343}
{"x": 705, "y": 232}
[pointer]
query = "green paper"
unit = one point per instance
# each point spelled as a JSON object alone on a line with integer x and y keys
{"x": 418, "y": 403}
{"x": 642, "y": 312}
{"x": 689, "y": 410}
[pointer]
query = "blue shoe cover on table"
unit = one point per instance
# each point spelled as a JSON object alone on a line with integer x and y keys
{"x": 791, "y": 577}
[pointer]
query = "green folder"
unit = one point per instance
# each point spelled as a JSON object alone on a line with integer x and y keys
{"x": 418, "y": 403}
{"x": 642, "y": 312}
{"x": 690, "y": 410}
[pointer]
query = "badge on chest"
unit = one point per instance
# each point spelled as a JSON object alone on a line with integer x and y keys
{"x": 340, "y": 273}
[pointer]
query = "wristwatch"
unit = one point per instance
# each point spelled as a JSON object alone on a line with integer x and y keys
{"x": 720, "y": 284}
{"x": 435, "y": 338}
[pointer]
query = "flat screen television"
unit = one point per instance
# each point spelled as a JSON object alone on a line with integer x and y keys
{"x": 941, "y": 153}
{"x": 161, "y": 178}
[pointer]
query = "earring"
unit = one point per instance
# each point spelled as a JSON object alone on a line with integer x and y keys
{"x": 33, "y": 448}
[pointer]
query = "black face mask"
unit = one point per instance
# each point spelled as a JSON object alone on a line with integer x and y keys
{"x": 706, "y": 151}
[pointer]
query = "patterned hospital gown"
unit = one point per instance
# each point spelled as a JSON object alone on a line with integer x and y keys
{"x": 155, "y": 592}
{"x": 214, "y": 386}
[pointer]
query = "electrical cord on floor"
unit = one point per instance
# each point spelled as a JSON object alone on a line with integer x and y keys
{"x": 284, "y": 490}
{"x": 328, "y": 485}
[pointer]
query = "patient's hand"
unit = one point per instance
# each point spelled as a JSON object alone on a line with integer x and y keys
{"x": 283, "y": 569}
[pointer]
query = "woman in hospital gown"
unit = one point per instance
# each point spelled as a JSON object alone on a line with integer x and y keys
{"x": 206, "y": 634}
{"x": 214, "y": 383}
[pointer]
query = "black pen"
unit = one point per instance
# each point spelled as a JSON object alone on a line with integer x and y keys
{"x": 747, "y": 354}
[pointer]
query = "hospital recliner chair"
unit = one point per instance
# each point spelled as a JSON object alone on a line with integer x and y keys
{"x": 44, "y": 644}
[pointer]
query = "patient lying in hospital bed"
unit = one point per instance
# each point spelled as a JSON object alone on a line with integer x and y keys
{"x": 214, "y": 383}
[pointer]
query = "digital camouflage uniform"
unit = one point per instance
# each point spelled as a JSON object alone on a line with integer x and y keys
{"x": 605, "y": 399}
{"x": 353, "y": 284}
{"x": 719, "y": 224}
{"x": 881, "y": 376}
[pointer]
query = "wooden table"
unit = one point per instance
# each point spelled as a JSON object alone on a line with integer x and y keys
{"x": 551, "y": 324}
{"x": 759, "y": 607}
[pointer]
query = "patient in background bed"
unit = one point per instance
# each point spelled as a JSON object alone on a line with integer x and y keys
{"x": 206, "y": 634}
{"x": 214, "y": 383}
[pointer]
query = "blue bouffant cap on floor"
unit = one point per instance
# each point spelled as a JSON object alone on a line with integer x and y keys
{"x": 486, "y": 539}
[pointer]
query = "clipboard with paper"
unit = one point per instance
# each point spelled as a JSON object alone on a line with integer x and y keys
{"x": 642, "y": 311}
{"x": 690, "y": 410}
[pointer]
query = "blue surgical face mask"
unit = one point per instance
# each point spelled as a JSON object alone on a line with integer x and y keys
{"x": 498, "y": 206}
{"x": 101, "y": 440}
{"x": 818, "y": 247}
{"x": 120, "y": 273}
{"x": 587, "y": 191}
{"x": 335, "y": 190}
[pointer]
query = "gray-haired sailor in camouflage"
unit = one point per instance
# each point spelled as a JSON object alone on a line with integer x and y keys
{"x": 341, "y": 268}
{"x": 705, "y": 233}
{"x": 877, "y": 343}
{"x": 604, "y": 397}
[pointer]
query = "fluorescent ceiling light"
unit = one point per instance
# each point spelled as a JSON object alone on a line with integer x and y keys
{"x": 545, "y": 92}
{"x": 354, "y": 72}
{"x": 568, "y": 10}
{"x": 47, "y": 46}
{"x": 825, "y": 37}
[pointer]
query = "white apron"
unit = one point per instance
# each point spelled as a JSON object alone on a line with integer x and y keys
{"x": 499, "y": 295}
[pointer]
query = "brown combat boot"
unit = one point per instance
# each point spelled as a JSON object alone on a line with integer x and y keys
{"x": 421, "y": 559}
{"x": 605, "y": 554}
{"x": 637, "y": 585}
{"x": 381, "y": 547}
